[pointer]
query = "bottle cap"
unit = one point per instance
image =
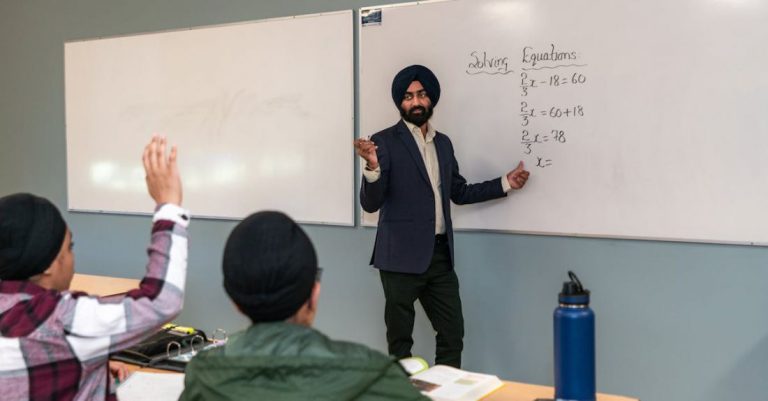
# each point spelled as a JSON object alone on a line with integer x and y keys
{"x": 573, "y": 292}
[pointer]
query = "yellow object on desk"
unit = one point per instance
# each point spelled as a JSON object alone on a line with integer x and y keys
{"x": 179, "y": 329}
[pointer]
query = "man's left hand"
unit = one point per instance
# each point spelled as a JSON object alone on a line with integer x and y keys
{"x": 518, "y": 177}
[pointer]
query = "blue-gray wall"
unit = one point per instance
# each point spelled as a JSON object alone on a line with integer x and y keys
{"x": 676, "y": 321}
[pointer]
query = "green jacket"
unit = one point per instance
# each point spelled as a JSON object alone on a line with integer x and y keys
{"x": 287, "y": 362}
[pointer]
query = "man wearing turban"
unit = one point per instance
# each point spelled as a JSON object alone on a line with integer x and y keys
{"x": 271, "y": 275}
{"x": 410, "y": 177}
{"x": 55, "y": 344}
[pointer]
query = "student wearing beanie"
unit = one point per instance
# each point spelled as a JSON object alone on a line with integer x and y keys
{"x": 271, "y": 275}
{"x": 410, "y": 177}
{"x": 55, "y": 344}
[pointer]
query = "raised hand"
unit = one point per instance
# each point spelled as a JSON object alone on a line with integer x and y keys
{"x": 366, "y": 149}
{"x": 518, "y": 177}
{"x": 163, "y": 180}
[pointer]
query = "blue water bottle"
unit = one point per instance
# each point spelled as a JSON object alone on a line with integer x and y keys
{"x": 574, "y": 344}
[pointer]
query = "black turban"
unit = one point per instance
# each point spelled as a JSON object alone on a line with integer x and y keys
{"x": 412, "y": 73}
{"x": 31, "y": 235}
{"x": 270, "y": 267}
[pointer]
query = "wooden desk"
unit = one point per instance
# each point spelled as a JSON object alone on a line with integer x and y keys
{"x": 513, "y": 391}
{"x": 102, "y": 285}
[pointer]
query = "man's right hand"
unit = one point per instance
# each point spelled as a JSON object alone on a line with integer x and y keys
{"x": 366, "y": 149}
{"x": 163, "y": 181}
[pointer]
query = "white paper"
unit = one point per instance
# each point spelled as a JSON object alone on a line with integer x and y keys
{"x": 144, "y": 386}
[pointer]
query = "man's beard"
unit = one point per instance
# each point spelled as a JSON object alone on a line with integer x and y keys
{"x": 417, "y": 119}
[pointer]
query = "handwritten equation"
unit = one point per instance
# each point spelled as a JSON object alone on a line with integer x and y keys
{"x": 527, "y": 83}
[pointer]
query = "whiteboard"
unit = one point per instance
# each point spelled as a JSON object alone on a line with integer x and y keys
{"x": 636, "y": 119}
{"x": 262, "y": 113}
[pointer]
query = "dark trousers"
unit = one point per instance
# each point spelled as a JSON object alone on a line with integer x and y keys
{"x": 438, "y": 291}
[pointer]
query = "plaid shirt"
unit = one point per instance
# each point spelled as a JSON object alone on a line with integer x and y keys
{"x": 55, "y": 345}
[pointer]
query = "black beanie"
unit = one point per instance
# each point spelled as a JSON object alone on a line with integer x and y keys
{"x": 412, "y": 73}
{"x": 270, "y": 266}
{"x": 31, "y": 235}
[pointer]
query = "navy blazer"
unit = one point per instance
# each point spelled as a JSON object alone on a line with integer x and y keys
{"x": 403, "y": 196}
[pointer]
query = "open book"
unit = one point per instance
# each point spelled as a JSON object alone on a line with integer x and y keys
{"x": 444, "y": 383}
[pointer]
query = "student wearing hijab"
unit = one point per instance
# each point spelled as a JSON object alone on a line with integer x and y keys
{"x": 410, "y": 177}
{"x": 55, "y": 344}
{"x": 271, "y": 275}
